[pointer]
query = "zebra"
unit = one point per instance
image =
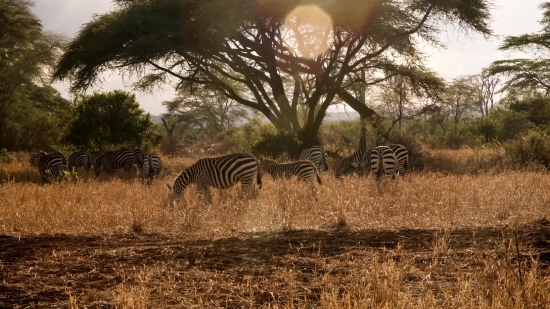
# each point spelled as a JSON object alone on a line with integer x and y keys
{"x": 113, "y": 160}
{"x": 52, "y": 164}
{"x": 353, "y": 162}
{"x": 221, "y": 173}
{"x": 94, "y": 155}
{"x": 303, "y": 169}
{"x": 80, "y": 159}
{"x": 35, "y": 158}
{"x": 382, "y": 161}
{"x": 152, "y": 166}
{"x": 402, "y": 156}
{"x": 317, "y": 155}
{"x": 140, "y": 157}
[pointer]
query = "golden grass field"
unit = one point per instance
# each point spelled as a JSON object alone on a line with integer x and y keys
{"x": 433, "y": 239}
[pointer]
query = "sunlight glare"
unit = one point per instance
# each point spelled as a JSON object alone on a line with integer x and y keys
{"x": 311, "y": 27}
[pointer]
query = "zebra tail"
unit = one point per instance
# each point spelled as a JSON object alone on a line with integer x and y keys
{"x": 259, "y": 179}
{"x": 318, "y": 178}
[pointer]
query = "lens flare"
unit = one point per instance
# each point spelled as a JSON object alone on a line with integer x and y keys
{"x": 309, "y": 32}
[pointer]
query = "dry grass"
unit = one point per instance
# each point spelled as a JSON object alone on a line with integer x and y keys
{"x": 428, "y": 240}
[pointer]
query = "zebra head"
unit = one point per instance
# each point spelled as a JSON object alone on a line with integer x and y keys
{"x": 182, "y": 181}
{"x": 98, "y": 163}
{"x": 348, "y": 166}
{"x": 171, "y": 199}
{"x": 267, "y": 166}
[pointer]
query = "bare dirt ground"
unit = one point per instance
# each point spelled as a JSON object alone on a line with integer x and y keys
{"x": 248, "y": 271}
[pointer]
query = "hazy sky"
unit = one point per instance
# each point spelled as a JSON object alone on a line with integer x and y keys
{"x": 463, "y": 55}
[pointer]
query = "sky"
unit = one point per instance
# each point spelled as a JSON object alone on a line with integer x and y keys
{"x": 463, "y": 55}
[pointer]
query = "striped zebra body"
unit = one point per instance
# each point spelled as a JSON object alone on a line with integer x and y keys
{"x": 80, "y": 159}
{"x": 35, "y": 158}
{"x": 95, "y": 155}
{"x": 317, "y": 155}
{"x": 221, "y": 173}
{"x": 353, "y": 162}
{"x": 113, "y": 160}
{"x": 152, "y": 166}
{"x": 303, "y": 169}
{"x": 402, "y": 156}
{"x": 140, "y": 158}
{"x": 382, "y": 161}
{"x": 52, "y": 164}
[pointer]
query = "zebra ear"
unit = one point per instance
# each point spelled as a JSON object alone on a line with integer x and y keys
{"x": 169, "y": 187}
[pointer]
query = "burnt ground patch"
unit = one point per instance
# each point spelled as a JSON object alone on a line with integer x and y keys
{"x": 98, "y": 270}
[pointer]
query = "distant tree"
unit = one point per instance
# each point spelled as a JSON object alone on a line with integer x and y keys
{"x": 527, "y": 73}
{"x": 205, "y": 112}
{"x": 459, "y": 98}
{"x": 111, "y": 120}
{"x": 260, "y": 44}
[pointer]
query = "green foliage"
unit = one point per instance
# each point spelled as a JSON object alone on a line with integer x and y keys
{"x": 38, "y": 121}
{"x": 32, "y": 114}
{"x": 530, "y": 148}
{"x": 527, "y": 73}
{"x": 341, "y": 135}
{"x": 26, "y": 51}
{"x": 277, "y": 145}
{"x": 247, "y": 136}
{"x": 202, "y": 114}
{"x": 111, "y": 120}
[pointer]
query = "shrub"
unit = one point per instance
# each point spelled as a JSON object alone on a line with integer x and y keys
{"x": 277, "y": 145}
{"x": 530, "y": 148}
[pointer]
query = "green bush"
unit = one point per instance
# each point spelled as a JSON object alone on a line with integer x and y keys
{"x": 277, "y": 145}
{"x": 530, "y": 148}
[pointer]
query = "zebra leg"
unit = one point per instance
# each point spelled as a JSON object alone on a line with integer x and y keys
{"x": 203, "y": 190}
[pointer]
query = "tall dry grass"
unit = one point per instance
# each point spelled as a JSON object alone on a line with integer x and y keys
{"x": 116, "y": 205}
{"x": 359, "y": 278}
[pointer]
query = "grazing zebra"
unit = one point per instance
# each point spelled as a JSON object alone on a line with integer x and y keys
{"x": 140, "y": 157}
{"x": 152, "y": 166}
{"x": 94, "y": 155}
{"x": 52, "y": 164}
{"x": 221, "y": 173}
{"x": 353, "y": 162}
{"x": 303, "y": 169}
{"x": 113, "y": 160}
{"x": 382, "y": 161}
{"x": 402, "y": 156}
{"x": 80, "y": 159}
{"x": 317, "y": 155}
{"x": 35, "y": 158}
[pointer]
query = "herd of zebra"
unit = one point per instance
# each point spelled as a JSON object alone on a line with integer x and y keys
{"x": 226, "y": 171}
{"x": 56, "y": 164}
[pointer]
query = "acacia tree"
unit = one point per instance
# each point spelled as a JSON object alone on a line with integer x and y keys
{"x": 260, "y": 44}
{"x": 206, "y": 110}
{"x": 527, "y": 73}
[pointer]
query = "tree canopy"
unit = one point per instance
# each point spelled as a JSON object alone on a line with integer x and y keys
{"x": 110, "y": 120}
{"x": 32, "y": 113}
{"x": 26, "y": 52}
{"x": 527, "y": 73}
{"x": 281, "y": 56}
